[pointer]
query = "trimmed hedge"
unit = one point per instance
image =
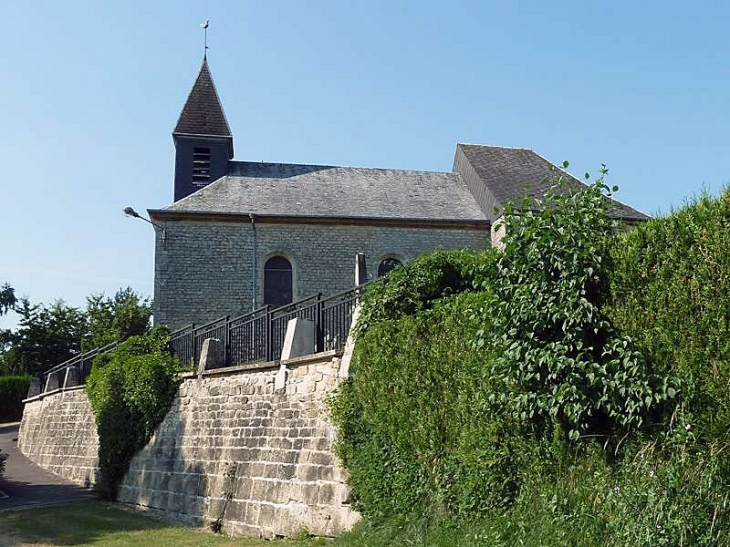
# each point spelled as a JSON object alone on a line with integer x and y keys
{"x": 670, "y": 286}
{"x": 13, "y": 389}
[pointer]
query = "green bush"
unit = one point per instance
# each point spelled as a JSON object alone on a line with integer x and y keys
{"x": 415, "y": 286}
{"x": 130, "y": 389}
{"x": 13, "y": 389}
{"x": 3, "y": 459}
{"x": 400, "y": 456}
{"x": 558, "y": 358}
{"x": 670, "y": 288}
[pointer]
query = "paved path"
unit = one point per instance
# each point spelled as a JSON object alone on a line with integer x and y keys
{"x": 27, "y": 485}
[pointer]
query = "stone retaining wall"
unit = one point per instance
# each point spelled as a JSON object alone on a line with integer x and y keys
{"x": 58, "y": 433}
{"x": 251, "y": 446}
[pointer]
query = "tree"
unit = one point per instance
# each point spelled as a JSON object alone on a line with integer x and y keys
{"x": 115, "y": 319}
{"x": 7, "y": 303}
{"x": 45, "y": 336}
{"x": 48, "y": 335}
{"x": 7, "y": 298}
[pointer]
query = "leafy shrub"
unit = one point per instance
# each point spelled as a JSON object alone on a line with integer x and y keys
{"x": 558, "y": 357}
{"x": 658, "y": 493}
{"x": 3, "y": 459}
{"x": 131, "y": 390}
{"x": 13, "y": 389}
{"x": 670, "y": 291}
{"x": 415, "y": 286}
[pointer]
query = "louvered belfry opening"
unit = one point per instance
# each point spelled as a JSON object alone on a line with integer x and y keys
{"x": 201, "y": 166}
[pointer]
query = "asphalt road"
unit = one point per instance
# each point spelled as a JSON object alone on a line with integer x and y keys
{"x": 25, "y": 484}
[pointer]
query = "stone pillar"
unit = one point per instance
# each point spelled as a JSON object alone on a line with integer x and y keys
{"x": 209, "y": 355}
{"x": 51, "y": 382}
{"x": 344, "y": 370}
{"x": 299, "y": 339}
{"x": 361, "y": 271}
{"x": 35, "y": 387}
{"x": 497, "y": 233}
{"x": 72, "y": 378}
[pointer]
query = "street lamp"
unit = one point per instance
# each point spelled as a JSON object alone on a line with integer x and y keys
{"x": 130, "y": 212}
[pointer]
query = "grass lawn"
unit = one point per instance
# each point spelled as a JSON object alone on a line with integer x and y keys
{"x": 106, "y": 525}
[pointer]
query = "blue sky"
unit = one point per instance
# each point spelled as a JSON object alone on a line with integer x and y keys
{"x": 90, "y": 93}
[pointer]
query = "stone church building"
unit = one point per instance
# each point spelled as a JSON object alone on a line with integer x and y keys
{"x": 242, "y": 234}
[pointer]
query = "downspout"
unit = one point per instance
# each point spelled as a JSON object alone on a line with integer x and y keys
{"x": 254, "y": 269}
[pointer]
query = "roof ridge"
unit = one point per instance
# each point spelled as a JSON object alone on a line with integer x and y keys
{"x": 493, "y": 146}
{"x": 339, "y": 167}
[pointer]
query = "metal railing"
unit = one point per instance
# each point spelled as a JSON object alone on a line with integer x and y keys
{"x": 254, "y": 336}
{"x": 259, "y": 335}
{"x": 82, "y": 361}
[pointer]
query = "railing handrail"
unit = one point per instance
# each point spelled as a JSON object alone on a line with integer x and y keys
{"x": 249, "y": 314}
{"x": 82, "y": 357}
{"x": 209, "y": 323}
{"x": 181, "y": 331}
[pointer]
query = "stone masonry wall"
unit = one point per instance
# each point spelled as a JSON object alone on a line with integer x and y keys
{"x": 229, "y": 431}
{"x": 270, "y": 449}
{"x": 58, "y": 433}
{"x": 204, "y": 270}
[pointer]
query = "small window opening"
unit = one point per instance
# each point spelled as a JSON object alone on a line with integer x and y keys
{"x": 387, "y": 265}
{"x": 201, "y": 166}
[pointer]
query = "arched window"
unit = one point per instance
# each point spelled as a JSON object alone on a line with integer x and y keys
{"x": 386, "y": 265}
{"x": 277, "y": 281}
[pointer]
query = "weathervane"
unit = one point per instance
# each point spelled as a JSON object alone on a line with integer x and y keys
{"x": 204, "y": 26}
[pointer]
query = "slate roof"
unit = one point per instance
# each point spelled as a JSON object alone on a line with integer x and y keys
{"x": 510, "y": 173}
{"x": 334, "y": 192}
{"x": 203, "y": 113}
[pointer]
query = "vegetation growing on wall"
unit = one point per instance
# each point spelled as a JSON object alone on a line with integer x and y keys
{"x": 13, "y": 390}
{"x": 560, "y": 400}
{"x": 130, "y": 389}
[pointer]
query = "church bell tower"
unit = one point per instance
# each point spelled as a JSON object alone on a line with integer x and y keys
{"x": 203, "y": 140}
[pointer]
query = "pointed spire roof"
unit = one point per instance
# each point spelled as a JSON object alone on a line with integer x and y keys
{"x": 203, "y": 113}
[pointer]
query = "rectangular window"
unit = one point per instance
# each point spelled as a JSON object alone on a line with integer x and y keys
{"x": 201, "y": 166}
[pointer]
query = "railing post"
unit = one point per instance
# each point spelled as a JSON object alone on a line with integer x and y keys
{"x": 191, "y": 346}
{"x": 319, "y": 325}
{"x": 269, "y": 326}
{"x": 226, "y": 352}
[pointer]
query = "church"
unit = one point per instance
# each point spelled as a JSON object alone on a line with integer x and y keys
{"x": 240, "y": 234}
